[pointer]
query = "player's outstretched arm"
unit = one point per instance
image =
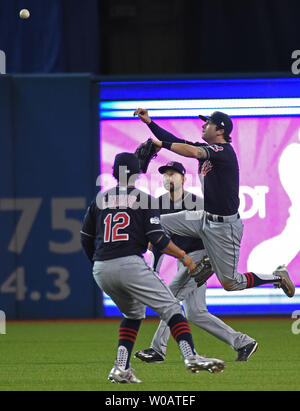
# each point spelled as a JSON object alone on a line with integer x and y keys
{"x": 184, "y": 150}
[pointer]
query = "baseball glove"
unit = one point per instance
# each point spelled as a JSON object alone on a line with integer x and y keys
{"x": 202, "y": 272}
{"x": 145, "y": 152}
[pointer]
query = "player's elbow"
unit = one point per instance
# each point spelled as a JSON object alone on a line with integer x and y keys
{"x": 87, "y": 243}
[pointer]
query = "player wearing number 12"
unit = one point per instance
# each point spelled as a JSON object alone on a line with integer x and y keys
{"x": 115, "y": 234}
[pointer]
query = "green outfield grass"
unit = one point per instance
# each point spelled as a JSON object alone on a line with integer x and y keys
{"x": 79, "y": 355}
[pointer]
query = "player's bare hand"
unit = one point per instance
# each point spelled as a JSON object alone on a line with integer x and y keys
{"x": 158, "y": 145}
{"x": 189, "y": 263}
{"x": 143, "y": 115}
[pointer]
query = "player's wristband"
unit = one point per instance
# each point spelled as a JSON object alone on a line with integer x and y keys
{"x": 163, "y": 243}
{"x": 183, "y": 258}
{"x": 167, "y": 145}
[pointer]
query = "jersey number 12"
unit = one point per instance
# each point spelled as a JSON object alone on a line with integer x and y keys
{"x": 113, "y": 224}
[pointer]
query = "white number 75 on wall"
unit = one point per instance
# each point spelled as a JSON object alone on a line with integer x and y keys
{"x": 59, "y": 206}
{"x": 30, "y": 207}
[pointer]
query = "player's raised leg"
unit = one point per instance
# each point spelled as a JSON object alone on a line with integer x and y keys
{"x": 222, "y": 243}
{"x": 185, "y": 223}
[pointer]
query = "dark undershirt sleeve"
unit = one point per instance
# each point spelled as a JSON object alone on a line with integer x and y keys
{"x": 164, "y": 135}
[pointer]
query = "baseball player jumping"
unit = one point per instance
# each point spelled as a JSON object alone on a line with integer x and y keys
{"x": 183, "y": 286}
{"x": 115, "y": 234}
{"x": 219, "y": 225}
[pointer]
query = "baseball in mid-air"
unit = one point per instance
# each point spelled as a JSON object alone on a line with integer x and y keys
{"x": 24, "y": 14}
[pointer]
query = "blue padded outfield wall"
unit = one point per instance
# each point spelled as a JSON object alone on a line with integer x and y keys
{"x": 48, "y": 177}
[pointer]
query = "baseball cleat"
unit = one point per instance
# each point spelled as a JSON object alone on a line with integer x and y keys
{"x": 197, "y": 363}
{"x": 118, "y": 375}
{"x": 245, "y": 352}
{"x": 286, "y": 283}
{"x": 149, "y": 355}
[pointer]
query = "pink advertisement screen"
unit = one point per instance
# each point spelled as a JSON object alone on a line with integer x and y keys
{"x": 268, "y": 150}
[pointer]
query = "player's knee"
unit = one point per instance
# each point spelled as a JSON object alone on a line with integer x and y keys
{"x": 228, "y": 285}
{"x": 195, "y": 316}
{"x": 194, "y": 310}
{"x": 189, "y": 313}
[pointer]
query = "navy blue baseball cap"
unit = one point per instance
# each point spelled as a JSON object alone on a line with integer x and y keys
{"x": 221, "y": 120}
{"x": 173, "y": 165}
{"x": 128, "y": 160}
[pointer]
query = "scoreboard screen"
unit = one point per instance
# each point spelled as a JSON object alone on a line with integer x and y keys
{"x": 266, "y": 138}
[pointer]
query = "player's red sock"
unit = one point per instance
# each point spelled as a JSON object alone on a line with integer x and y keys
{"x": 255, "y": 280}
{"x": 127, "y": 335}
{"x": 181, "y": 332}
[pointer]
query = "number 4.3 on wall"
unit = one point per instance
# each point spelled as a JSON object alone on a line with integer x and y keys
{"x": 15, "y": 284}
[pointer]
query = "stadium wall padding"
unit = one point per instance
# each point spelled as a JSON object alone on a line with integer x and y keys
{"x": 48, "y": 157}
